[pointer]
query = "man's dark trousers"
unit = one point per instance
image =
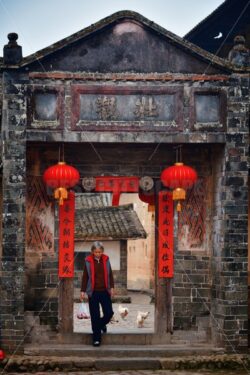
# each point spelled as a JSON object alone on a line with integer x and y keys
{"x": 97, "y": 299}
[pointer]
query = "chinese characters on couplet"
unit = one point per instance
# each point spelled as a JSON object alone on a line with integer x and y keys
{"x": 166, "y": 235}
{"x": 66, "y": 237}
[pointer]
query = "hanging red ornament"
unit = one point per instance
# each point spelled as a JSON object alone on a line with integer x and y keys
{"x": 61, "y": 177}
{"x": 149, "y": 198}
{"x": 2, "y": 355}
{"x": 179, "y": 177}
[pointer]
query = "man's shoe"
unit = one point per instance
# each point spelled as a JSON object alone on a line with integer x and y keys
{"x": 104, "y": 329}
{"x": 96, "y": 343}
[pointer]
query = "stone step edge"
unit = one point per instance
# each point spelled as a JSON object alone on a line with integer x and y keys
{"x": 122, "y": 353}
{"x": 39, "y": 364}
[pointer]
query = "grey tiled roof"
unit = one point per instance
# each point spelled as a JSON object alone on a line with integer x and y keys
{"x": 114, "y": 223}
{"x": 90, "y": 200}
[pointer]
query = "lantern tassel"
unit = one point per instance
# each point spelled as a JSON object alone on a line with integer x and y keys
{"x": 179, "y": 194}
{"x": 61, "y": 194}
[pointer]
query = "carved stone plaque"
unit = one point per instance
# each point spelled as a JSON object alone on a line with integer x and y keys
{"x": 126, "y": 107}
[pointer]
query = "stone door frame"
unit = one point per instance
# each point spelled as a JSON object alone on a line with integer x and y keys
{"x": 163, "y": 310}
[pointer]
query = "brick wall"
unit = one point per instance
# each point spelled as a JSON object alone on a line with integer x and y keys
{"x": 229, "y": 261}
{"x": 191, "y": 290}
{"x": 13, "y": 221}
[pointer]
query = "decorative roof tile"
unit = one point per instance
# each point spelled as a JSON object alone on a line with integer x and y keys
{"x": 91, "y": 200}
{"x": 114, "y": 223}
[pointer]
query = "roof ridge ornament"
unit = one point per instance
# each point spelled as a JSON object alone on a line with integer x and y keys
{"x": 12, "y": 52}
{"x": 239, "y": 54}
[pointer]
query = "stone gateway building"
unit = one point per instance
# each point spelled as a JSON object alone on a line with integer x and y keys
{"x": 119, "y": 97}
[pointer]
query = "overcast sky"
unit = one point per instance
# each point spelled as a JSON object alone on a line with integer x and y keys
{"x": 40, "y": 23}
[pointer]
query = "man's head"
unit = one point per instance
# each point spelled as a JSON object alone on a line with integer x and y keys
{"x": 97, "y": 249}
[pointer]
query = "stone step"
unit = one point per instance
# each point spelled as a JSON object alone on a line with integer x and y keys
{"x": 120, "y": 352}
{"x": 66, "y": 364}
{"x": 123, "y": 364}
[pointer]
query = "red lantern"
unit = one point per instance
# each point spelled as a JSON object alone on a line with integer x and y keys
{"x": 2, "y": 354}
{"x": 179, "y": 177}
{"x": 148, "y": 197}
{"x": 61, "y": 177}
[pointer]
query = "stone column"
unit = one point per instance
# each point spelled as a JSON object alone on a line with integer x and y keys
{"x": 13, "y": 220}
{"x": 229, "y": 290}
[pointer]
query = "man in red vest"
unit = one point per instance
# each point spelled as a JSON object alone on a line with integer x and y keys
{"x": 98, "y": 288}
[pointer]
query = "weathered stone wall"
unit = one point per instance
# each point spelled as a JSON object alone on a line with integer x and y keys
{"x": 229, "y": 261}
{"x": 191, "y": 291}
{"x": 41, "y": 263}
{"x": 192, "y": 278}
{"x": 1, "y": 97}
{"x": 121, "y": 278}
{"x": 41, "y": 287}
{"x": 1, "y": 104}
{"x": 14, "y": 192}
{"x": 1, "y": 145}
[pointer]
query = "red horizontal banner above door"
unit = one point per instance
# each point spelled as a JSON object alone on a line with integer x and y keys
{"x": 117, "y": 185}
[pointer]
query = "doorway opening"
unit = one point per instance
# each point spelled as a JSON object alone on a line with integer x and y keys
{"x": 132, "y": 257}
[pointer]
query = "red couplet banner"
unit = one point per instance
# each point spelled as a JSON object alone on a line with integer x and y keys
{"x": 166, "y": 235}
{"x": 66, "y": 236}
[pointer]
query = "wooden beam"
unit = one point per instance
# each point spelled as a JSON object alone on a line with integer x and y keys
{"x": 66, "y": 305}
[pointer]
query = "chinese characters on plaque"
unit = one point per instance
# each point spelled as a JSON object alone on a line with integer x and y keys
{"x": 129, "y": 107}
{"x": 166, "y": 235}
{"x": 106, "y": 107}
{"x": 145, "y": 107}
{"x": 66, "y": 236}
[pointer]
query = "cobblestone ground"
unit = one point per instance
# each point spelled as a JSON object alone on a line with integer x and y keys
{"x": 136, "y": 372}
{"x": 140, "y": 302}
